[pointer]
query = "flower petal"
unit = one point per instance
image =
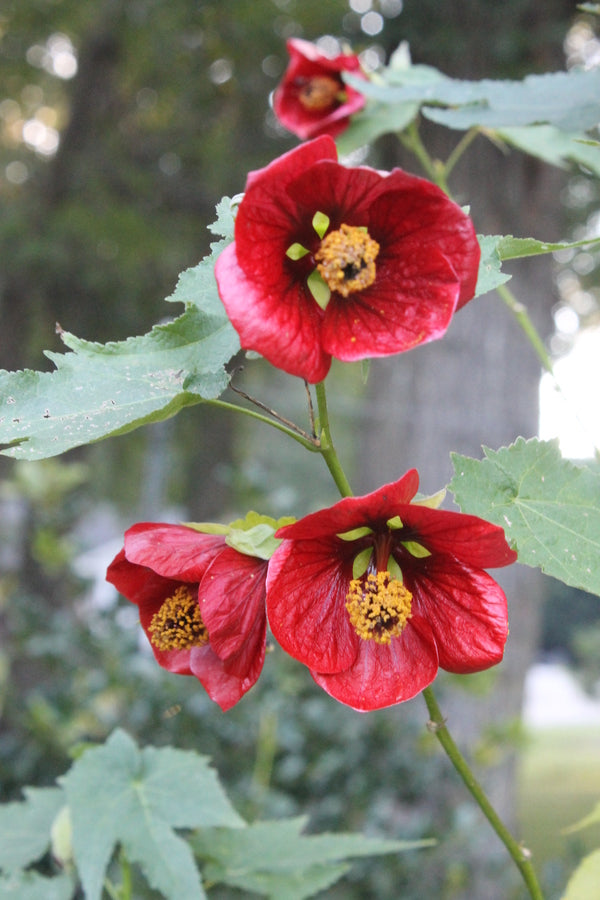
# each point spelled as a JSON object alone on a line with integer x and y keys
{"x": 232, "y": 600}
{"x": 467, "y": 612}
{"x": 472, "y": 540}
{"x": 282, "y": 324}
{"x": 307, "y": 585}
{"x": 411, "y": 303}
{"x": 383, "y": 675}
{"x": 351, "y": 512}
{"x": 174, "y": 551}
{"x": 226, "y": 681}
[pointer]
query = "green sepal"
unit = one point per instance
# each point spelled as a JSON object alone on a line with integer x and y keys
{"x": 318, "y": 288}
{"x": 395, "y": 570}
{"x": 361, "y": 562}
{"x": 415, "y": 549}
{"x": 320, "y": 223}
{"x": 207, "y": 527}
{"x": 395, "y": 523}
{"x": 355, "y": 533}
{"x": 296, "y": 251}
{"x": 253, "y": 535}
{"x": 433, "y": 501}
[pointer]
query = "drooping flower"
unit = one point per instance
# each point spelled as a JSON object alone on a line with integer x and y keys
{"x": 330, "y": 261}
{"x": 312, "y": 98}
{"x": 377, "y": 592}
{"x": 201, "y": 604}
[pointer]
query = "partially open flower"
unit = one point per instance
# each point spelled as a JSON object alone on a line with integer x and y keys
{"x": 312, "y": 98}
{"x": 376, "y": 592}
{"x": 330, "y": 261}
{"x": 201, "y": 604}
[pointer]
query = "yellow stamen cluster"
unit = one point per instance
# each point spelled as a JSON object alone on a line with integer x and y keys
{"x": 346, "y": 259}
{"x": 379, "y": 607}
{"x": 319, "y": 93}
{"x": 178, "y": 624}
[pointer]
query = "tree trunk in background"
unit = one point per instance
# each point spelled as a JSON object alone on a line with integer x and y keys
{"x": 478, "y": 385}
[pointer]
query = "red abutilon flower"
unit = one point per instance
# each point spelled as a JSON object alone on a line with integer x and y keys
{"x": 201, "y": 604}
{"x": 330, "y": 261}
{"x": 377, "y": 592}
{"x": 312, "y": 98}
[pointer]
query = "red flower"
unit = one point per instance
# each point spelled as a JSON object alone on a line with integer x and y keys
{"x": 376, "y": 592}
{"x": 202, "y": 604}
{"x": 312, "y": 98}
{"x": 345, "y": 262}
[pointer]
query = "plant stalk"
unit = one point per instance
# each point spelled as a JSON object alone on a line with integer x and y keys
{"x": 518, "y": 852}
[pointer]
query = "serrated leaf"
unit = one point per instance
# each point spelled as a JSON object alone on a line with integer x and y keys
{"x": 558, "y": 148}
{"x": 549, "y": 507}
{"x": 100, "y": 390}
{"x": 583, "y": 883}
{"x": 509, "y": 247}
{"x": 490, "y": 274}
{"x": 31, "y": 886}
{"x": 25, "y": 826}
{"x": 119, "y": 794}
{"x": 265, "y": 850}
{"x": 568, "y": 100}
{"x": 225, "y": 221}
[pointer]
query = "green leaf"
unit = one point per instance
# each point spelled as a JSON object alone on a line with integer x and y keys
{"x": 275, "y": 859}
{"x": 119, "y": 794}
{"x": 31, "y": 886}
{"x": 568, "y": 100}
{"x": 225, "y": 221}
{"x": 373, "y": 121}
{"x": 558, "y": 148}
{"x": 490, "y": 274}
{"x": 25, "y": 826}
{"x": 101, "y": 390}
{"x": 583, "y": 883}
{"x": 548, "y": 507}
{"x": 509, "y": 247}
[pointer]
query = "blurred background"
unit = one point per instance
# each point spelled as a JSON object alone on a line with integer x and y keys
{"x": 121, "y": 126}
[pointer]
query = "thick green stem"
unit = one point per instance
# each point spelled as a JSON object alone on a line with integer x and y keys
{"x": 519, "y": 854}
{"x": 326, "y": 448}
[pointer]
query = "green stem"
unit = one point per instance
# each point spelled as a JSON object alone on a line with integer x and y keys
{"x": 291, "y": 431}
{"x": 522, "y": 316}
{"x": 326, "y": 448}
{"x": 519, "y": 854}
{"x": 458, "y": 151}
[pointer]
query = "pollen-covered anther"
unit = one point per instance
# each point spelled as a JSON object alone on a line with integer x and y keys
{"x": 178, "y": 624}
{"x": 319, "y": 93}
{"x": 346, "y": 259}
{"x": 378, "y": 606}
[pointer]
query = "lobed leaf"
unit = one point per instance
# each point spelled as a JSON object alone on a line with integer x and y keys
{"x": 553, "y": 146}
{"x": 31, "y": 886}
{"x": 548, "y": 506}
{"x": 275, "y": 859}
{"x": 25, "y": 827}
{"x": 119, "y": 794}
{"x": 100, "y": 390}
